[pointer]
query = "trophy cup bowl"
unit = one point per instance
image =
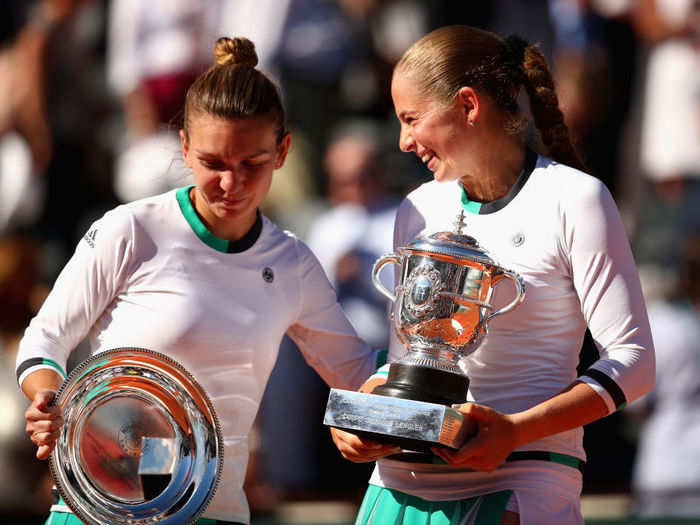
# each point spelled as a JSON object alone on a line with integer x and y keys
{"x": 141, "y": 443}
{"x": 441, "y": 309}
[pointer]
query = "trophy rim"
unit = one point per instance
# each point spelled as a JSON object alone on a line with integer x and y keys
{"x": 454, "y": 246}
{"x": 203, "y": 404}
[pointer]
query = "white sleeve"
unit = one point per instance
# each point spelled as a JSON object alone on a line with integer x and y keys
{"x": 86, "y": 285}
{"x": 323, "y": 333}
{"x": 607, "y": 283}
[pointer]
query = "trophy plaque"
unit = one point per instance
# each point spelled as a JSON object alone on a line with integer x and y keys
{"x": 441, "y": 309}
{"x": 141, "y": 443}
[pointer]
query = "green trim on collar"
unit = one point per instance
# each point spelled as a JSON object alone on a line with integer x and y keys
{"x": 469, "y": 206}
{"x": 198, "y": 227}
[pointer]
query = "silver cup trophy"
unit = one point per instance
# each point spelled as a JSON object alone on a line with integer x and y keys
{"x": 441, "y": 309}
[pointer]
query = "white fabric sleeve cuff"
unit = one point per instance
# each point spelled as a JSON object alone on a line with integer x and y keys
{"x": 602, "y": 392}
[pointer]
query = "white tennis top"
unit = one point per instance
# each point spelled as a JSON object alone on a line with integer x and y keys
{"x": 148, "y": 274}
{"x": 560, "y": 230}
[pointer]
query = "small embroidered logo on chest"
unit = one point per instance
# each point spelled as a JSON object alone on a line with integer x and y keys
{"x": 518, "y": 239}
{"x": 268, "y": 275}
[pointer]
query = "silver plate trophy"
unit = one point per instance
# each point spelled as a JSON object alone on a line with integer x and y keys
{"x": 141, "y": 443}
{"x": 441, "y": 309}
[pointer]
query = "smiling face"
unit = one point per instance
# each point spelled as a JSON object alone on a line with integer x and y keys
{"x": 232, "y": 162}
{"x": 434, "y": 131}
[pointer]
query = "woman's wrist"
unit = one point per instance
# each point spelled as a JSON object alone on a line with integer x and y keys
{"x": 43, "y": 379}
{"x": 524, "y": 428}
{"x": 575, "y": 406}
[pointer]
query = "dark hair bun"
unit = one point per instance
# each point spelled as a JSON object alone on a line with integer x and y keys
{"x": 237, "y": 50}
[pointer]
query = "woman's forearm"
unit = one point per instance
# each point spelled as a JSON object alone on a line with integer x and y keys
{"x": 43, "y": 379}
{"x": 575, "y": 406}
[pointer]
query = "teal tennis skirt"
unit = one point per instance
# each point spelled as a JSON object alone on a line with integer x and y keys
{"x": 382, "y": 506}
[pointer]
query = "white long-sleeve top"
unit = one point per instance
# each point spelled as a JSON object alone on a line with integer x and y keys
{"x": 149, "y": 274}
{"x": 561, "y": 231}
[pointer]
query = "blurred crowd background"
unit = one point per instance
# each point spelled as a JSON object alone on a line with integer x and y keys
{"x": 90, "y": 97}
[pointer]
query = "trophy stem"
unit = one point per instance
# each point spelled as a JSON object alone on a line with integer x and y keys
{"x": 424, "y": 384}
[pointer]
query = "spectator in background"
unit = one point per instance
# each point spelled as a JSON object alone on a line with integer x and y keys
{"x": 670, "y": 133}
{"x": 359, "y": 227}
{"x": 335, "y": 60}
{"x": 666, "y": 478}
{"x": 594, "y": 60}
{"x": 155, "y": 50}
{"x": 79, "y": 114}
{"x": 26, "y": 29}
{"x": 25, "y": 138}
{"x": 25, "y": 484}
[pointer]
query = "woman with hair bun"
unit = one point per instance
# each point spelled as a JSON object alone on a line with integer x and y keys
{"x": 455, "y": 93}
{"x": 199, "y": 274}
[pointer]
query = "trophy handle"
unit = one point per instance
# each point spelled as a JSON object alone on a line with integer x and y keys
{"x": 519, "y": 284}
{"x": 383, "y": 260}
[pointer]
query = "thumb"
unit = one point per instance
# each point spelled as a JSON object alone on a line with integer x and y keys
{"x": 476, "y": 411}
{"x": 43, "y": 400}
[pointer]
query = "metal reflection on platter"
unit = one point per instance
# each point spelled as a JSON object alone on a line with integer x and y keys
{"x": 141, "y": 443}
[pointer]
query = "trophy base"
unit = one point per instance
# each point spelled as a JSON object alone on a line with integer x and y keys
{"x": 421, "y": 383}
{"x": 410, "y": 424}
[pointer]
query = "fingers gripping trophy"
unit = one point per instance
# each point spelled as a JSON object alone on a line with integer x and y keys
{"x": 440, "y": 311}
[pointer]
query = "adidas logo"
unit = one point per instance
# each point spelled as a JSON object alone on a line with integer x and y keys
{"x": 90, "y": 237}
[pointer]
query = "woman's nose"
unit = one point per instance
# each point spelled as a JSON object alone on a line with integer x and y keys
{"x": 229, "y": 180}
{"x": 406, "y": 142}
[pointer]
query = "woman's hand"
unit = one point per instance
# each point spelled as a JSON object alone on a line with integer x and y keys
{"x": 499, "y": 434}
{"x": 358, "y": 449}
{"x": 44, "y": 422}
{"x": 494, "y": 440}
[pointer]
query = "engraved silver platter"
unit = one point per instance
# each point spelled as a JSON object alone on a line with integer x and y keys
{"x": 141, "y": 443}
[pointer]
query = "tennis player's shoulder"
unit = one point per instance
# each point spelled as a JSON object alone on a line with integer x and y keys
{"x": 275, "y": 236}
{"x": 428, "y": 195}
{"x": 287, "y": 243}
{"x": 123, "y": 220}
{"x": 432, "y": 189}
{"x": 155, "y": 206}
{"x": 572, "y": 186}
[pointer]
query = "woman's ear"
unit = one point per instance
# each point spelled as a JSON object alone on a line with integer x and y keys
{"x": 468, "y": 99}
{"x": 282, "y": 150}
{"x": 185, "y": 148}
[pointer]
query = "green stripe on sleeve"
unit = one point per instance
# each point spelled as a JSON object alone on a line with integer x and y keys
{"x": 39, "y": 361}
{"x": 54, "y": 364}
